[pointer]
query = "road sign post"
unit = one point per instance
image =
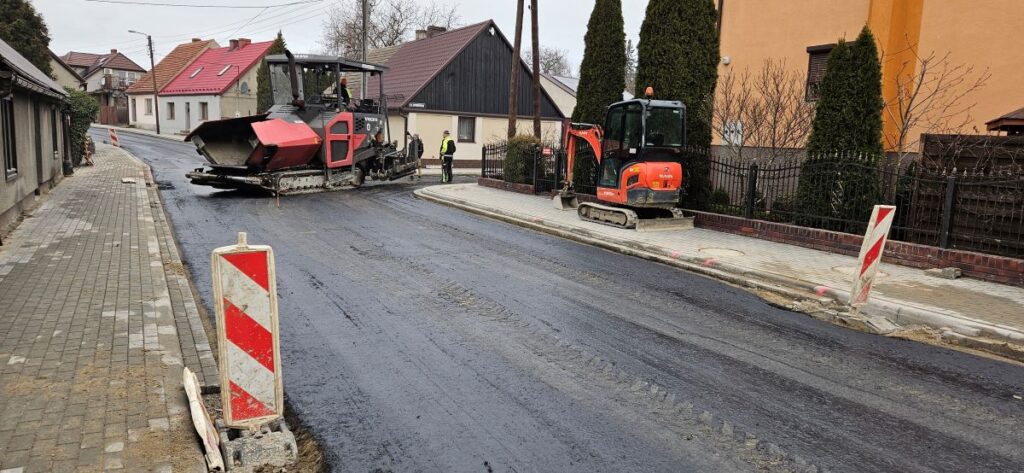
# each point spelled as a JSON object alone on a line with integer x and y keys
{"x": 871, "y": 251}
{"x": 245, "y": 297}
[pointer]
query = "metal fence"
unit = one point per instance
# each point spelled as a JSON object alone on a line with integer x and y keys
{"x": 980, "y": 209}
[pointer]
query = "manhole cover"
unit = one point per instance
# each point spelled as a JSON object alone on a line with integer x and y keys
{"x": 851, "y": 271}
{"x": 164, "y": 185}
{"x": 721, "y": 252}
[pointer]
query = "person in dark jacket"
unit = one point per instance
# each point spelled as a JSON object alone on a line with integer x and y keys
{"x": 447, "y": 154}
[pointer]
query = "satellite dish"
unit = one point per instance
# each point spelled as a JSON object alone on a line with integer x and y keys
{"x": 244, "y": 87}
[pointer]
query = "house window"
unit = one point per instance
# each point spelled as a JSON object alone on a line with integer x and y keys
{"x": 817, "y": 62}
{"x": 195, "y": 73}
{"x": 170, "y": 110}
{"x": 732, "y": 134}
{"x": 467, "y": 130}
{"x": 10, "y": 148}
{"x": 204, "y": 111}
{"x": 149, "y": 106}
{"x": 226, "y": 68}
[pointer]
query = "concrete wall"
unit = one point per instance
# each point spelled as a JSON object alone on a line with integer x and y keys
{"x": 565, "y": 101}
{"x": 186, "y": 112}
{"x": 137, "y": 115}
{"x": 233, "y": 100}
{"x": 18, "y": 190}
{"x": 63, "y": 76}
{"x": 430, "y": 127}
{"x": 973, "y": 33}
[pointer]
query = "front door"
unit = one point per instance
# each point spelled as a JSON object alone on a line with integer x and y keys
{"x": 188, "y": 116}
{"x": 37, "y": 124}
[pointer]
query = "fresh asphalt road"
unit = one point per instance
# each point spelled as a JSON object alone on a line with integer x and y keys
{"x": 416, "y": 337}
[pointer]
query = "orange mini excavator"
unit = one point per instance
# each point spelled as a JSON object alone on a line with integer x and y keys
{"x": 639, "y": 154}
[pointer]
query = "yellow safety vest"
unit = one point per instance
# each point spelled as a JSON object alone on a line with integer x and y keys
{"x": 444, "y": 145}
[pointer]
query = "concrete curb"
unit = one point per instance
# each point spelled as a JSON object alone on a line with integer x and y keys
{"x": 133, "y": 131}
{"x": 789, "y": 287}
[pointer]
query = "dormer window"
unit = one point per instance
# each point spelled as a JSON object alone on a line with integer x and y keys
{"x": 222, "y": 71}
{"x": 195, "y": 73}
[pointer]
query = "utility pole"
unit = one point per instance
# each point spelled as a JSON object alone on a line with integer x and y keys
{"x": 536, "y": 69}
{"x": 366, "y": 22}
{"x": 513, "y": 93}
{"x": 152, "y": 73}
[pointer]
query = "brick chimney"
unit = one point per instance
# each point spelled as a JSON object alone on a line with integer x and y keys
{"x": 196, "y": 40}
{"x": 233, "y": 45}
{"x": 421, "y": 34}
{"x": 243, "y": 42}
{"x": 113, "y": 52}
{"x": 435, "y": 30}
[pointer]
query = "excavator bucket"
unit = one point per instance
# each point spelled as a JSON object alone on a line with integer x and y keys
{"x": 565, "y": 201}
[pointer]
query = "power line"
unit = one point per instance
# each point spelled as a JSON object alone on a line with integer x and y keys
{"x": 192, "y": 5}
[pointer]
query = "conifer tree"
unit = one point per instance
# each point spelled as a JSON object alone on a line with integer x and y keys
{"x": 839, "y": 182}
{"x": 602, "y": 79}
{"x": 604, "y": 59}
{"x": 24, "y": 29}
{"x": 678, "y": 57}
{"x": 264, "y": 96}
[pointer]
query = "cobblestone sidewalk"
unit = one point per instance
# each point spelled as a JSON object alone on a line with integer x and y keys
{"x": 98, "y": 320}
{"x": 969, "y": 300}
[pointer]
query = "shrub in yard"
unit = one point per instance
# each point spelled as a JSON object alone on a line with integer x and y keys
{"x": 519, "y": 159}
{"x": 83, "y": 109}
{"x": 720, "y": 197}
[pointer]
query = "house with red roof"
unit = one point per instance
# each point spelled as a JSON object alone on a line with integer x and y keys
{"x": 220, "y": 83}
{"x": 143, "y": 103}
{"x": 107, "y": 77}
{"x": 459, "y": 81}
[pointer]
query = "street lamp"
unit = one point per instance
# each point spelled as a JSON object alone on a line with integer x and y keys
{"x": 152, "y": 73}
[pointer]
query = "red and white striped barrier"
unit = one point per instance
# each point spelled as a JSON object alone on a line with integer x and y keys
{"x": 871, "y": 253}
{"x": 245, "y": 293}
{"x": 113, "y": 138}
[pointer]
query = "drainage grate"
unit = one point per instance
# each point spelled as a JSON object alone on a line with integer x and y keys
{"x": 164, "y": 185}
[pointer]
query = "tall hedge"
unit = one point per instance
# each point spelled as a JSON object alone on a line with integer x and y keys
{"x": 678, "y": 57}
{"x": 602, "y": 78}
{"x": 24, "y": 29}
{"x": 520, "y": 158}
{"x": 264, "y": 96}
{"x": 839, "y": 184}
{"x": 83, "y": 109}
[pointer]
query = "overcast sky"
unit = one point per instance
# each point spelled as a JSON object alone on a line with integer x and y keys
{"x": 89, "y": 26}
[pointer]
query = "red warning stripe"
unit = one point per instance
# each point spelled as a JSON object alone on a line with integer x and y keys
{"x": 872, "y": 255}
{"x": 882, "y": 213}
{"x": 248, "y": 335}
{"x": 244, "y": 406}
{"x": 253, "y": 265}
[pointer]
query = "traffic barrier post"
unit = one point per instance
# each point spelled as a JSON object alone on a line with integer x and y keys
{"x": 113, "y": 138}
{"x": 871, "y": 251}
{"x": 245, "y": 297}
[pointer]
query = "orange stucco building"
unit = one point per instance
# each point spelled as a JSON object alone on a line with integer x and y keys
{"x": 973, "y": 33}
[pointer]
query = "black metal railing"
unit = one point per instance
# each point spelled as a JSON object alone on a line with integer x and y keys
{"x": 976, "y": 210}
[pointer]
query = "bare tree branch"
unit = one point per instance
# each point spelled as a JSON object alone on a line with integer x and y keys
{"x": 933, "y": 99}
{"x": 392, "y": 22}
{"x": 766, "y": 111}
{"x": 553, "y": 61}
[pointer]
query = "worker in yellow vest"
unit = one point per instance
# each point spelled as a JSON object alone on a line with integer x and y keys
{"x": 447, "y": 155}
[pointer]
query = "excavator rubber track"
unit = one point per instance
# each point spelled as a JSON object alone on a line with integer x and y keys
{"x": 619, "y": 217}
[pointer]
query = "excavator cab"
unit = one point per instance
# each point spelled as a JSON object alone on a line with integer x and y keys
{"x": 640, "y": 154}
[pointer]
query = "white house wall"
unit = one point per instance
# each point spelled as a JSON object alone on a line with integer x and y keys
{"x": 183, "y": 122}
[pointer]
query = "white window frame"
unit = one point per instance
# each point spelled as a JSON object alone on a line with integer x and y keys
{"x": 458, "y": 130}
